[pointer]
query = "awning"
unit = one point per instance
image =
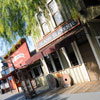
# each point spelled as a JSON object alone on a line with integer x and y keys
{"x": 34, "y": 58}
{"x": 6, "y": 76}
{"x": 56, "y": 44}
{"x": 49, "y": 50}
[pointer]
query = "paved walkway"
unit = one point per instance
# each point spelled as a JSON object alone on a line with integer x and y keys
{"x": 84, "y": 91}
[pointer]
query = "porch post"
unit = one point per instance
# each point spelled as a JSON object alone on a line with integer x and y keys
{"x": 66, "y": 56}
{"x": 60, "y": 59}
{"x": 44, "y": 67}
{"x": 76, "y": 51}
{"x": 92, "y": 47}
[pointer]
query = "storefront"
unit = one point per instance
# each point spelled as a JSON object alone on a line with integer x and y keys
{"x": 18, "y": 55}
{"x": 70, "y": 52}
{"x": 36, "y": 70}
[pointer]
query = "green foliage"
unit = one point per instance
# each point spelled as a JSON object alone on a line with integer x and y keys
{"x": 10, "y": 20}
{"x": 72, "y": 7}
{"x": 18, "y": 17}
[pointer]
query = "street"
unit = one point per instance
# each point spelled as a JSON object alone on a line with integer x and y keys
{"x": 84, "y": 91}
{"x": 64, "y": 96}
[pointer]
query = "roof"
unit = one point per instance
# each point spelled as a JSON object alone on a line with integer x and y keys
{"x": 15, "y": 47}
{"x": 34, "y": 58}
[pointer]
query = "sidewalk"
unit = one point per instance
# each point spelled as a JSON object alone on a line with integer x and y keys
{"x": 84, "y": 91}
{"x": 64, "y": 96}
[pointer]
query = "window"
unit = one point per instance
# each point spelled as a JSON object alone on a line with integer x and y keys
{"x": 91, "y": 2}
{"x": 71, "y": 55}
{"x": 56, "y": 14}
{"x": 56, "y": 61}
{"x": 48, "y": 62}
{"x": 36, "y": 71}
{"x": 98, "y": 40}
{"x": 43, "y": 23}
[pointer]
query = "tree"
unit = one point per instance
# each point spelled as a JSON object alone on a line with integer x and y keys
{"x": 17, "y": 17}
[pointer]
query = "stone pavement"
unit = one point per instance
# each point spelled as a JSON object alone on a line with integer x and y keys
{"x": 84, "y": 91}
{"x": 64, "y": 96}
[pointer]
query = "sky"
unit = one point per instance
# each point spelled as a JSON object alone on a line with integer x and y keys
{"x": 4, "y": 47}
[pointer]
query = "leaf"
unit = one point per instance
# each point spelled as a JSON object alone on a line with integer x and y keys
{"x": 1, "y": 28}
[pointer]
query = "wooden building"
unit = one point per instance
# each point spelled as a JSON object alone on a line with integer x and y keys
{"x": 69, "y": 40}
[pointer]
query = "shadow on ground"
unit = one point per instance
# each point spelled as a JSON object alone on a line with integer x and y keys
{"x": 19, "y": 96}
{"x": 51, "y": 97}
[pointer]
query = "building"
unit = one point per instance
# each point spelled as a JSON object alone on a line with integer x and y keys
{"x": 4, "y": 83}
{"x": 68, "y": 43}
{"x": 69, "y": 40}
{"x": 16, "y": 60}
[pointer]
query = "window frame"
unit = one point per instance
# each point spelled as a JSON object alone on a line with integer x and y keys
{"x": 43, "y": 33}
{"x": 38, "y": 68}
{"x": 52, "y": 15}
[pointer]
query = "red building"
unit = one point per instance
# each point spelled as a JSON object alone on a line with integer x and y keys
{"x": 16, "y": 59}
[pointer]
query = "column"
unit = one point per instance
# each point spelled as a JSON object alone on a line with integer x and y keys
{"x": 44, "y": 67}
{"x": 92, "y": 47}
{"x": 60, "y": 60}
{"x": 66, "y": 56}
{"x": 77, "y": 53}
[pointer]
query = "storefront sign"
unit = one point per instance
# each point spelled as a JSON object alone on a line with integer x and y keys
{"x": 20, "y": 56}
{"x": 61, "y": 30}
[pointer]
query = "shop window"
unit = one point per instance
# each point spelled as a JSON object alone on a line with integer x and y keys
{"x": 43, "y": 23}
{"x": 37, "y": 71}
{"x": 91, "y": 2}
{"x": 48, "y": 62}
{"x": 56, "y": 14}
{"x": 56, "y": 61}
{"x": 98, "y": 40}
{"x": 71, "y": 55}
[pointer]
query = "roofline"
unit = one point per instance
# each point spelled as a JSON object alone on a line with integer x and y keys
{"x": 16, "y": 46}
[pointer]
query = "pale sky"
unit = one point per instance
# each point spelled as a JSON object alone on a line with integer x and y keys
{"x": 4, "y": 47}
